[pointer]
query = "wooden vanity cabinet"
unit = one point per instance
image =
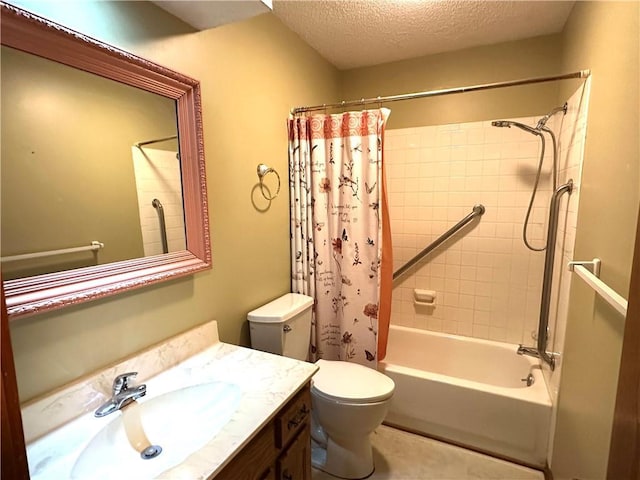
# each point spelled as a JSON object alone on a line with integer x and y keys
{"x": 295, "y": 462}
{"x": 281, "y": 450}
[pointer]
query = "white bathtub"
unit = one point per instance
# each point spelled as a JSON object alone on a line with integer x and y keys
{"x": 468, "y": 391}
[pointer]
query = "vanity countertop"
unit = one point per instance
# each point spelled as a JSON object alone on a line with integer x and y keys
{"x": 267, "y": 382}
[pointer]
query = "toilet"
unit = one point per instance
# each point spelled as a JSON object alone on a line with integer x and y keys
{"x": 348, "y": 401}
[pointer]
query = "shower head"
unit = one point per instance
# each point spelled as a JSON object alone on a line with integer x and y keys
{"x": 509, "y": 124}
{"x": 542, "y": 122}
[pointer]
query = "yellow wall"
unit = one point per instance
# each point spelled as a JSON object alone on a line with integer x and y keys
{"x": 251, "y": 74}
{"x": 602, "y": 36}
{"x": 532, "y": 57}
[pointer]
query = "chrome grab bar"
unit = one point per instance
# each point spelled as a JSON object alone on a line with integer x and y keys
{"x": 163, "y": 228}
{"x": 477, "y": 211}
{"x": 547, "y": 280}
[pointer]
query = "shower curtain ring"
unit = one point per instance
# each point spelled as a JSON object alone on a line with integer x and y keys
{"x": 262, "y": 171}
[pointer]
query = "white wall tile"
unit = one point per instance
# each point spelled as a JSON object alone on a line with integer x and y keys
{"x": 488, "y": 284}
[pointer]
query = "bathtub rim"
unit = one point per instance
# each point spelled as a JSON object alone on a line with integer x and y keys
{"x": 537, "y": 393}
{"x": 482, "y": 341}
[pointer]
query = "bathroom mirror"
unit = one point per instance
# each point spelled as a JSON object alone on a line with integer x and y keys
{"x": 92, "y": 178}
{"x": 26, "y": 33}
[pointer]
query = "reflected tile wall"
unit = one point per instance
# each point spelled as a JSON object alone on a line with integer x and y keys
{"x": 158, "y": 176}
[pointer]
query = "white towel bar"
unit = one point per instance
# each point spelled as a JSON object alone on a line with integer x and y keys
{"x": 616, "y": 300}
{"x": 95, "y": 245}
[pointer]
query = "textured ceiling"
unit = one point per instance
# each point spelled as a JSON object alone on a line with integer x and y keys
{"x": 356, "y": 33}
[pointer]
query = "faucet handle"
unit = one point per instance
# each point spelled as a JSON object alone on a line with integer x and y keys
{"x": 121, "y": 382}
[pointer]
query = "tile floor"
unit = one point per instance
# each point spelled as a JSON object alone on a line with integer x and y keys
{"x": 400, "y": 455}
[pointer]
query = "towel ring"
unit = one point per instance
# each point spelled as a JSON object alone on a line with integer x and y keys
{"x": 262, "y": 171}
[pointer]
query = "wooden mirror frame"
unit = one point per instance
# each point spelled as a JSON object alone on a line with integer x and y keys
{"x": 30, "y": 33}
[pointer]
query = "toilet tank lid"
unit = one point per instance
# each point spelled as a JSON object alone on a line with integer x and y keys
{"x": 351, "y": 382}
{"x": 281, "y": 309}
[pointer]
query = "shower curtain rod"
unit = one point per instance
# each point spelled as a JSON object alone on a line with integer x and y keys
{"x": 157, "y": 140}
{"x": 446, "y": 91}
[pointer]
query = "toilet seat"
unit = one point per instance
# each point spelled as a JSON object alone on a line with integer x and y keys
{"x": 351, "y": 383}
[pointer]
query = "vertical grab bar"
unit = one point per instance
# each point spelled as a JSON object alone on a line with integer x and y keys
{"x": 163, "y": 228}
{"x": 545, "y": 299}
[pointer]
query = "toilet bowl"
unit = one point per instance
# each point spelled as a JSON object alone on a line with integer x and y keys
{"x": 348, "y": 400}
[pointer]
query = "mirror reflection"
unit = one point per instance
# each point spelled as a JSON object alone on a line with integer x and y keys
{"x": 84, "y": 159}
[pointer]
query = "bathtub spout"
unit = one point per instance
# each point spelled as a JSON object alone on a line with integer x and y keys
{"x": 531, "y": 351}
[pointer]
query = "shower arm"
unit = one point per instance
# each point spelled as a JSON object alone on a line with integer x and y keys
{"x": 543, "y": 121}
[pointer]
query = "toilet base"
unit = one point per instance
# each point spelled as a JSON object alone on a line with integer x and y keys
{"x": 350, "y": 459}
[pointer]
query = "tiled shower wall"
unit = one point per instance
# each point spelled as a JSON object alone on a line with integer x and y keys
{"x": 571, "y": 141}
{"x": 487, "y": 283}
{"x": 572, "y": 136}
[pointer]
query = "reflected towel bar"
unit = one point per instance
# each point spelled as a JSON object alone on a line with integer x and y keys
{"x": 95, "y": 245}
{"x": 592, "y": 278}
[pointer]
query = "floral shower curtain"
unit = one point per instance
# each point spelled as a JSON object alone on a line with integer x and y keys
{"x": 338, "y": 216}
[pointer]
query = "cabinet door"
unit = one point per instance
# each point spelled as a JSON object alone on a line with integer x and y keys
{"x": 293, "y": 417}
{"x": 255, "y": 461}
{"x": 270, "y": 474}
{"x": 295, "y": 461}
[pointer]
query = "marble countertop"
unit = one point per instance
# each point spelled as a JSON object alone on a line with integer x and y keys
{"x": 266, "y": 381}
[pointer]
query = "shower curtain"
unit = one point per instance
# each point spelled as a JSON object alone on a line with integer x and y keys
{"x": 340, "y": 235}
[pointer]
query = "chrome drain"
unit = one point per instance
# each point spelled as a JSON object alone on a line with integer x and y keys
{"x": 152, "y": 451}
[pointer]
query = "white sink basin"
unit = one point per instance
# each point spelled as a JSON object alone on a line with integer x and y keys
{"x": 180, "y": 422}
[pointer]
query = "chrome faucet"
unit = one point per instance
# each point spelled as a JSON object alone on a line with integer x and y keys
{"x": 531, "y": 351}
{"x": 122, "y": 395}
{"x": 550, "y": 358}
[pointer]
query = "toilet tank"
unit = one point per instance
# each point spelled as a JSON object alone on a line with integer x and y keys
{"x": 283, "y": 326}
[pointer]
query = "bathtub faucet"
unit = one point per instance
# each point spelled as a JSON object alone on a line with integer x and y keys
{"x": 123, "y": 395}
{"x": 531, "y": 351}
{"x": 529, "y": 379}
